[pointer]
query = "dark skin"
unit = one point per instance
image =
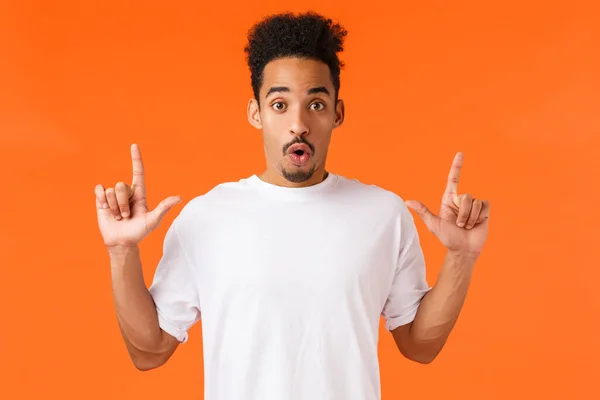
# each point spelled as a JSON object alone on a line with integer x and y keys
{"x": 297, "y": 103}
{"x": 293, "y": 103}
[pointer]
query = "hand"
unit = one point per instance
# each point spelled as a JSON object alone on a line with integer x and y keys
{"x": 462, "y": 225}
{"x": 123, "y": 216}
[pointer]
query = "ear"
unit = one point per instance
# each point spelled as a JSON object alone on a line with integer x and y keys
{"x": 340, "y": 113}
{"x": 254, "y": 114}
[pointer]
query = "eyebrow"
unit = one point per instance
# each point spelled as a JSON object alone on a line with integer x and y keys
{"x": 281, "y": 89}
{"x": 319, "y": 89}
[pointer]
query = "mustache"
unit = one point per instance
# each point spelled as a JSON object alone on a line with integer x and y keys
{"x": 297, "y": 140}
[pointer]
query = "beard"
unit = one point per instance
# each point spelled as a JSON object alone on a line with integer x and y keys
{"x": 298, "y": 176}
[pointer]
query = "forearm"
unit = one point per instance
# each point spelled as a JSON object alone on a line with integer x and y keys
{"x": 441, "y": 306}
{"x": 135, "y": 309}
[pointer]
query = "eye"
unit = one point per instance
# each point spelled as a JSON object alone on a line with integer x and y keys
{"x": 319, "y": 106}
{"x": 278, "y": 106}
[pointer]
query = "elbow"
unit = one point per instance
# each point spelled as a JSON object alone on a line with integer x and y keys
{"x": 143, "y": 364}
{"x": 151, "y": 357}
{"x": 145, "y": 361}
{"x": 145, "y": 367}
{"x": 422, "y": 358}
{"x": 422, "y": 349}
{"x": 423, "y": 354}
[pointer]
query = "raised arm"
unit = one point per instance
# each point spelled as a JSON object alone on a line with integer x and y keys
{"x": 124, "y": 221}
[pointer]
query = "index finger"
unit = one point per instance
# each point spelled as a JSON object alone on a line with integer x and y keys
{"x": 454, "y": 175}
{"x": 138, "y": 167}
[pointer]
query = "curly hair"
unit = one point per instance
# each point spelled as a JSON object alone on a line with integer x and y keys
{"x": 306, "y": 35}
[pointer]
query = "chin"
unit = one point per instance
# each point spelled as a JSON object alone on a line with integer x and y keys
{"x": 298, "y": 174}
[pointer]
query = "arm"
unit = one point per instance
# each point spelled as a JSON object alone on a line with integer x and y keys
{"x": 147, "y": 344}
{"x": 462, "y": 227}
{"x": 124, "y": 221}
{"x": 423, "y": 339}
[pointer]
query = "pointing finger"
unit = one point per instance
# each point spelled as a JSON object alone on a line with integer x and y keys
{"x": 454, "y": 175}
{"x": 138, "y": 169}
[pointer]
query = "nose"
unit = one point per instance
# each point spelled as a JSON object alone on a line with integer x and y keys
{"x": 298, "y": 125}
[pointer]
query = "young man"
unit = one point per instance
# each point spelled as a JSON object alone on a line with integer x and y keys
{"x": 290, "y": 270}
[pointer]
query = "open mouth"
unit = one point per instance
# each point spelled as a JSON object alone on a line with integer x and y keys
{"x": 299, "y": 153}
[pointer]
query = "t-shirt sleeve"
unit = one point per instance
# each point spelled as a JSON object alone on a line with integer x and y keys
{"x": 174, "y": 288}
{"x": 409, "y": 283}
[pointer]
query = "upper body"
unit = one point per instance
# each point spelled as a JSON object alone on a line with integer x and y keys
{"x": 290, "y": 285}
{"x": 291, "y": 269}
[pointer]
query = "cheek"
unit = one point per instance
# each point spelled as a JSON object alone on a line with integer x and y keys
{"x": 272, "y": 139}
{"x": 325, "y": 121}
{"x": 274, "y": 130}
{"x": 272, "y": 125}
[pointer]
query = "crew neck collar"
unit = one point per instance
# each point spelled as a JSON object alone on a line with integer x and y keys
{"x": 294, "y": 193}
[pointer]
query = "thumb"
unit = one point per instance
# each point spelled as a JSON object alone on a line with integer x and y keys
{"x": 156, "y": 215}
{"x": 424, "y": 213}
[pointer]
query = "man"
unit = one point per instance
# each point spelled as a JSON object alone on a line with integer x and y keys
{"x": 290, "y": 270}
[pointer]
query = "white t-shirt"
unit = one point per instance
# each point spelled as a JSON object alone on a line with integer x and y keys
{"x": 290, "y": 284}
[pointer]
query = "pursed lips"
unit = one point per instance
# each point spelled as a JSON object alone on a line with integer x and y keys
{"x": 301, "y": 147}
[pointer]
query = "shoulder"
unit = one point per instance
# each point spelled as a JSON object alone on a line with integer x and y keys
{"x": 372, "y": 195}
{"x": 210, "y": 204}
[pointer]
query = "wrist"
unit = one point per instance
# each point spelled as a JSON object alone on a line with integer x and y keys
{"x": 462, "y": 258}
{"x": 466, "y": 254}
{"x": 121, "y": 251}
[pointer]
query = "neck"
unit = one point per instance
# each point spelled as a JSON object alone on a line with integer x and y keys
{"x": 277, "y": 178}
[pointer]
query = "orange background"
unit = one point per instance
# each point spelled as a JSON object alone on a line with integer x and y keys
{"x": 514, "y": 86}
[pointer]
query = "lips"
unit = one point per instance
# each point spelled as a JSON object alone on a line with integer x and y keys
{"x": 299, "y": 153}
{"x": 299, "y": 148}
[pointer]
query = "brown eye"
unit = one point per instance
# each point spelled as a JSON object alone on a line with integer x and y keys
{"x": 319, "y": 105}
{"x": 278, "y": 106}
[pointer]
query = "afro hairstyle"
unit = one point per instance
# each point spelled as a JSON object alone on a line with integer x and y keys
{"x": 306, "y": 35}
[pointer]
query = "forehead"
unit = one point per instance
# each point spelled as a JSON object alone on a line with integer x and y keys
{"x": 296, "y": 74}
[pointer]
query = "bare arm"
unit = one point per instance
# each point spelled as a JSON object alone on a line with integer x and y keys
{"x": 462, "y": 228}
{"x": 148, "y": 345}
{"x": 424, "y": 338}
{"x": 124, "y": 221}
